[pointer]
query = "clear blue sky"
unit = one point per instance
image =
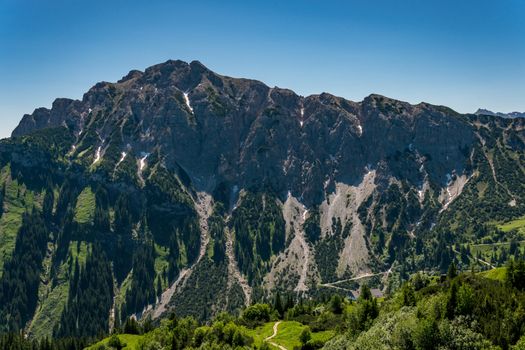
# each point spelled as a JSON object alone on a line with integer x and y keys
{"x": 461, "y": 53}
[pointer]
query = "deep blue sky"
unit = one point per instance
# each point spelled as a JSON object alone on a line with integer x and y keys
{"x": 461, "y": 53}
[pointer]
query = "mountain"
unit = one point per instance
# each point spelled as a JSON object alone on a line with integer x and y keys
{"x": 179, "y": 189}
{"x": 481, "y": 111}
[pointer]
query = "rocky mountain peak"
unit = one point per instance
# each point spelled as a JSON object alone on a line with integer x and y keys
{"x": 240, "y": 132}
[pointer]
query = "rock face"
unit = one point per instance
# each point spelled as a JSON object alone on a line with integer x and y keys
{"x": 242, "y": 133}
{"x": 302, "y": 193}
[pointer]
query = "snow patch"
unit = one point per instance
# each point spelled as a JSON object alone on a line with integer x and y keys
{"x": 421, "y": 192}
{"x": 142, "y": 165}
{"x": 97, "y": 155}
{"x": 187, "y": 100}
{"x": 359, "y": 129}
{"x": 142, "y": 162}
{"x": 234, "y": 197}
{"x": 122, "y": 157}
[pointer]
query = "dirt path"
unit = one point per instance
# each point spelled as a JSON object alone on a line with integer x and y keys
{"x": 233, "y": 269}
{"x": 204, "y": 208}
{"x": 492, "y": 244}
{"x": 366, "y": 275}
{"x": 475, "y": 258}
{"x": 268, "y": 339}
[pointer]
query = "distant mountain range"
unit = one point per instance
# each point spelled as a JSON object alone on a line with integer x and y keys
{"x": 482, "y": 111}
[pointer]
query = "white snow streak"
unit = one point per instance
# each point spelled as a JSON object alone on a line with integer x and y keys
{"x": 187, "y": 100}
{"x": 122, "y": 157}
{"x": 97, "y": 155}
{"x": 142, "y": 163}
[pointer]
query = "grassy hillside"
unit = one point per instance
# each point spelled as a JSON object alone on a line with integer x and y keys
{"x": 131, "y": 342}
{"x": 85, "y": 208}
{"x": 469, "y": 311}
{"x": 17, "y": 200}
{"x": 518, "y": 224}
{"x": 497, "y": 274}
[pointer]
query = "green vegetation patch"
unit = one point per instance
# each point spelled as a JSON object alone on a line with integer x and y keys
{"x": 497, "y": 274}
{"x": 260, "y": 333}
{"x": 85, "y": 208}
{"x": 289, "y": 332}
{"x": 517, "y": 224}
{"x": 16, "y": 202}
{"x": 48, "y": 313}
{"x": 131, "y": 341}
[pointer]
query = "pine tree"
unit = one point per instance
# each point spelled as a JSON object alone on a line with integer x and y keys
{"x": 2, "y": 198}
{"x": 452, "y": 271}
{"x": 88, "y": 305}
{"x": 452, "y": 300}
{"x": 101, "y": 217}
{"x": 173, "y": 258}
{"x": 49, "y": 201}
{"x": 123, "y": 219}
{"x": 21, "y": 276}
{"x": 278, "y": 304}
{"x": 219, "y": 252}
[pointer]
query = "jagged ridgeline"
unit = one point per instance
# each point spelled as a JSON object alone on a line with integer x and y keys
{"x": 178, "y": 189}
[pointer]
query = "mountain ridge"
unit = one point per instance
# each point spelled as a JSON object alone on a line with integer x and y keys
{"x": 184, "y": 76}
{"x": 301, "y": 193}
{"x": 515, "y": 114}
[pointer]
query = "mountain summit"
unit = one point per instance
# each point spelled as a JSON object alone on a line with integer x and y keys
{"x": 178, "y": 178}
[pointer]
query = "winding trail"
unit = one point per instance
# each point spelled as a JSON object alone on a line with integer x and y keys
{"x": 233, "y": 269}
{"x": 268, "y": 339}
{"x": 475, "y": 258}
{"x": 365, "y": 275}
{"x": 204, "y": 208}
